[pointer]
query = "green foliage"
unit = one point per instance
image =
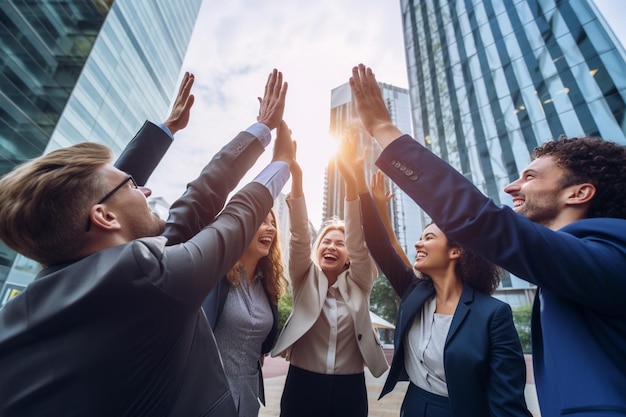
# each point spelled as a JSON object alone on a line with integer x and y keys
{"x": 384, "y": 300}
{"x": 284, "y": 309}
{"x": 521, "y": 319}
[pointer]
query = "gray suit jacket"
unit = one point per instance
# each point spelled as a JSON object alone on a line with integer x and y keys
{"x": 120, "y": 332}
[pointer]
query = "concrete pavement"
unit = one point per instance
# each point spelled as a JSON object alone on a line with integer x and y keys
{"x": 275, "y": 371}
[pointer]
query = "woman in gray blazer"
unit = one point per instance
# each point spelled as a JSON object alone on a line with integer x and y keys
{"x": 243, "y": 313}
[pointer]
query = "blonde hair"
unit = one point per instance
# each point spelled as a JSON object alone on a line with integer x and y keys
{"x": 271, "y": 269}
{"x": 45, "y": 203}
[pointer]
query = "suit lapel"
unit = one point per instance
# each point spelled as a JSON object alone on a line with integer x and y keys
{"x": 411, "y": 306}
{"x": 462, "y": 309}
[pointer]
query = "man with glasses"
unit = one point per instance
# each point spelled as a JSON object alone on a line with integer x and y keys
{"x": 112, "y": 325}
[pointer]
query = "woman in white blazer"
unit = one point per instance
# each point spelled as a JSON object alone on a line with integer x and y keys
{"x": 328, "y": 338}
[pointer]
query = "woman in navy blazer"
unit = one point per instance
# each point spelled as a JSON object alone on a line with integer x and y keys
{"x": 484, "y": 372}
{"x": 456, "y": 344}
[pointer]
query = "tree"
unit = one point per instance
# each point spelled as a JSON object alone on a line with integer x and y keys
{"x": 521, "y": 319}
{"x": 284, "y": 308}
{"x": 384, "y": 301}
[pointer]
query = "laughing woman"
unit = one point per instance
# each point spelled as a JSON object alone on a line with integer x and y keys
{"x": 328, "y": 338}
{"x": 243, "y": 313}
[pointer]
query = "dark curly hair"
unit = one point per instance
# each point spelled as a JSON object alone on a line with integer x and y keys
{"x": 473, "y": 269}
{"x": 595, "y": 161}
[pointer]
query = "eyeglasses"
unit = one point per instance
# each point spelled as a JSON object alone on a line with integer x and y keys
{"x": 110, "y": 193}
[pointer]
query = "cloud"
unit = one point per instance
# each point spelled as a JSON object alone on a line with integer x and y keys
{"x": 236, "y": 44}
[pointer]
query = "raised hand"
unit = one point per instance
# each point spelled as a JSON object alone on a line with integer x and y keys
{"x": 370, "y": 106}
{"x": 284, "y": 149}
{"x": 380, "y": 195}
{"x": 179, "y": 116}
{"x": 351, "y": 164}
{"x": 272, "y": 105}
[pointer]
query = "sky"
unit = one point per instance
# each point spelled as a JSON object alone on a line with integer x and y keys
{"x": 237, "y": 43}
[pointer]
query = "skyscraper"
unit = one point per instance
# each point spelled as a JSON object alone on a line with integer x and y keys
{"x": 406, "y": 217}
{"x": 75, "y": 71}
{"x": 490, "y": 80}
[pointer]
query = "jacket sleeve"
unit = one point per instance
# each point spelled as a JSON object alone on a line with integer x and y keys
{"x": 205, "y": 196}
{"x": 362, "y": 269}
{"x": 144, "y": 152}
{"x": 189, "y": 270}
{"x": 507, "y": 376}
{"x": 400, "y": 277}
{"x": 300, "y": 260}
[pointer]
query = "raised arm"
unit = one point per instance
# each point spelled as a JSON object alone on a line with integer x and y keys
{"x": 381, "y": 198}
{"x": 144, "y": 152}
{"x": 205, "y": 197}
{"x": 400, "y": 276}
{"x": 300, "y": 240}
{"x": 350, "y": 163}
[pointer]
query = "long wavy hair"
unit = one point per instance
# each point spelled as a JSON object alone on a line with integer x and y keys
{"x": 473, "y": 269}
{"x": 270, "y": 268}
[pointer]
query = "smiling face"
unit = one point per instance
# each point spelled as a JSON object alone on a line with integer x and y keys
{"x": 264, "y": 238}
{"x": 538, "y": 194}
{"x": 332, "y": 254}
{"x": 433, "y": 252}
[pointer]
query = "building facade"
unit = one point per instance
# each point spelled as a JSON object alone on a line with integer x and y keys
{"x": 76, "y": 71}
{"x": 490, "y": 80}
{"x": 406, "y": 217}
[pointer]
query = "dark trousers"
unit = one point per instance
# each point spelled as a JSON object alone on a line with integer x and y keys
{"x": 309, "y": 394}
{"x": 420, "y": 403}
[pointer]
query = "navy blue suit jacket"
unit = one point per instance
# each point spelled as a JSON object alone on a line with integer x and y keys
{"x": 483, "y": 360}
{"x": 579, "y": 319}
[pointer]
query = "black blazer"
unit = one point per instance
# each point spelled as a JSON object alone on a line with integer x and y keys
{"x": 121, "y": 332}
{"x": 483, "y": 360}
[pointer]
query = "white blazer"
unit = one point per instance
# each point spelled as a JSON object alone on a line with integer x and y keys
{"x": 310, "y": 285}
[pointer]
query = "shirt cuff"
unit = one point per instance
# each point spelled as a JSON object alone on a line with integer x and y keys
{"x": 166, "y": 130}
{"x": 262, "y": 132}
{"x": 274, "y": 177}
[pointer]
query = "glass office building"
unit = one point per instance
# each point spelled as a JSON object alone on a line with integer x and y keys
{"x": 490, "y": 80}
{"x": 83, "y": 70}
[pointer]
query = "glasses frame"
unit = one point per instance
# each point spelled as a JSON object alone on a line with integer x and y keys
{"x": 110, "y": 194}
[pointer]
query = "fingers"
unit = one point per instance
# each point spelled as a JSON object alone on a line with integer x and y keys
{"x": 271, "y": 81}
{"x": 272, "y": 105}
{"x": 275, "y": 87}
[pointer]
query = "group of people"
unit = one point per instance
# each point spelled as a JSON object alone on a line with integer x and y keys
{"x": 134, "y": 316}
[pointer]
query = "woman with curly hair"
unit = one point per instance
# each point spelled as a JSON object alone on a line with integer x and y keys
{"x": 243, "y": 312}
{"x": 457, "y": 344}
